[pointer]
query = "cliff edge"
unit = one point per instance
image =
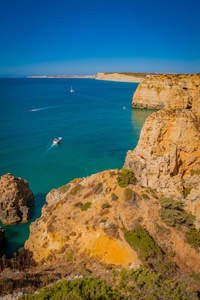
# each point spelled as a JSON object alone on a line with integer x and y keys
{"x": 119, "y": 77}
{"x": 169, "y": 92}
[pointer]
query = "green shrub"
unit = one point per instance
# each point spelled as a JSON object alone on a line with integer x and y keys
{"x": 86, "y": 206}
{"x": 194, "y": 172}
{"x": 64, "y": 188}
{"x": 70, "y": 256}
{"x": 148, "y": 251}
{"x": 105, "y": 205}
{"x": 76, "y": 189}
{"x": 145, "y": 284}
{"x": 145, "y": 196}
{"x": 173, "y": 214}
{"x": 128, "y": 194}
{"x": 125, "y": 177}
{"x": 140, "y": 240}
{"x": 77, "y": 289}
{"x": 186, "y": 191}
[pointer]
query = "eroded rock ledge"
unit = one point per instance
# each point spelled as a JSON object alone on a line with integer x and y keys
{"x": 15, "y": 200}
{"x": 169, "y": 92}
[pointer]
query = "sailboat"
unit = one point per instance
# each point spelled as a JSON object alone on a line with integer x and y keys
{"x": 71, "y": 91}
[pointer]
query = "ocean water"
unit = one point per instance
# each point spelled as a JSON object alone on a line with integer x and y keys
{"x": 96, "y": 130}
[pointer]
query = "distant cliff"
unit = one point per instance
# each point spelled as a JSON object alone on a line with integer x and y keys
{"x": 128, "y": 77}
{"x": 169, "y": 92}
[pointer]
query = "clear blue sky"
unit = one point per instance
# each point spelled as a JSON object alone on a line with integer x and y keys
{"x": 52, "y": 37}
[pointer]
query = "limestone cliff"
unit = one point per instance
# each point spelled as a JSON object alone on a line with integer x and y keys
{"x": 169, "y": 92}
{"x": 119, "y": 77}
{"x": 167, "y": 156}
{"x": 15, "y": 200}
{"x": 88, "y": 216}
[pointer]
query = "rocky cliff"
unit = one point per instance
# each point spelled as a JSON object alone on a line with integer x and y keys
{"x": 169, "y": 92}
{"x": 167, "y": 156}
{"x": 93, "y": 216}
{"x": 15, "y": 200}
{"x": 119, "y": 77}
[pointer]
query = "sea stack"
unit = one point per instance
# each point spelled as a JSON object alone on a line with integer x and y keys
{"x": 15, "y": 200}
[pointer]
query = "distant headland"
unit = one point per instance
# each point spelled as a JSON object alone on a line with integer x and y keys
{"x": 108, "y": 76}
{"x": 63, "y": 76}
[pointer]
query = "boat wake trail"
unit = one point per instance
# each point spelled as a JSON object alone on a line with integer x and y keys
{"x": 50, "y": 148}
{"x": 47, "y": 107}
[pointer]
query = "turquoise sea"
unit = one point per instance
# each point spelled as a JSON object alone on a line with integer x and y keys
{"x": 96, "y": 130}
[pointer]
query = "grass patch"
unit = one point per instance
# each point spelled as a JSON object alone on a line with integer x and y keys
{"x": 125, "y": 177}
{"x": 86, "y": 206}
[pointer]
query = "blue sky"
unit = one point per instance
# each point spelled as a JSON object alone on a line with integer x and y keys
{"x": 52, "y": 37}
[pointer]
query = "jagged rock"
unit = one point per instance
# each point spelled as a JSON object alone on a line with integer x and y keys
{"x": 15, "y": 199}
{"x": 168, "y": 92}
{"x": 2, "y": 235}
{"x": 168, "y": 152}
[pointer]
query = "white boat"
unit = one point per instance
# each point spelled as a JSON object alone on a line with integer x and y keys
{"x": 71, "y": 91}
{"x": 56, "y": 141}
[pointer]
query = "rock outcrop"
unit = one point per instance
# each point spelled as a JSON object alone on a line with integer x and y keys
{"x": 15, "y": 200}
{"x": 167, "y": 157}
{"x": 2, "y": 235}
{"x": 118, "y": 77}
{"x": 88, "y": 216}
{"x": 168, "y": 92}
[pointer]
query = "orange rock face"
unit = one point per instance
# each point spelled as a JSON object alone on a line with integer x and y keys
{"x": 70, "y": 227}
{"x": 15, "y": 199}
{"x": 168, "y": 92}
{"x": 168, "y": 152}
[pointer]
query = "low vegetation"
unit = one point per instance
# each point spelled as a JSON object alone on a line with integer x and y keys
{"x": 125, "y": 177}
{"x": 127, "y": 285}
{"x": 84, "y": 288}
{"x": 63, "y": 189}
{"x": 128, "y": 194}
{"x": 85, "y": 206}
{"x": 148, "y": 251}
{"x": 174, "y": 215}
{"x": 76, "y": 189}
